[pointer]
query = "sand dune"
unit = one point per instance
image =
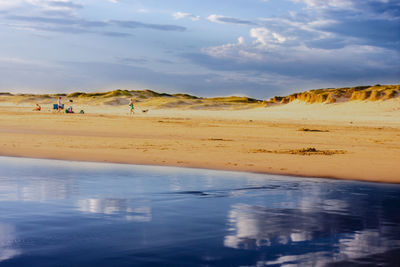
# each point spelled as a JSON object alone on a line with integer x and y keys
{"x": 151, "y": 99}
{"x": 334, "y": 95}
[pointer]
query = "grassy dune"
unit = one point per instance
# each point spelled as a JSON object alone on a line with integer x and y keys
{"x": 148, "y": 98}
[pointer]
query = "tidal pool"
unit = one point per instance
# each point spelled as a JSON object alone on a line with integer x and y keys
{"x": 60, "y": 213}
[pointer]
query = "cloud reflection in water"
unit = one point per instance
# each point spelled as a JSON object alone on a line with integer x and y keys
{"x": 7, "y": 236}
{"x": 161, "y": 216}
{"x": 340, "y": 237}
{"x": 116, "y": 206}
{"x": 37, "y": 189}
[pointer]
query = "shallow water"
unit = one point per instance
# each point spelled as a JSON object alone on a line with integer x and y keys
{"x": 59, "y": 213}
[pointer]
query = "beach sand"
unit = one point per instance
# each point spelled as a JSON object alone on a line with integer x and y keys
{"x": 353, "y": 140}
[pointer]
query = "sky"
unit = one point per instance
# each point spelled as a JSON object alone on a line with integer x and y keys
{"x": 256, "y": 48}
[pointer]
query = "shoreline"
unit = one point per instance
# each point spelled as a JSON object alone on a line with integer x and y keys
{"x": 362, "y": 151}
{"x": 208, "y": 169}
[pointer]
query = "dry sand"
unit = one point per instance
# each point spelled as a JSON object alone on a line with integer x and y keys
{"x": 352, "y": 140}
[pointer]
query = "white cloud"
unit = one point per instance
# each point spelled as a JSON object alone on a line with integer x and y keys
{"x": 347, "y": 46}
{"x": 214, "y": 18}
{"x": 46, "y": 5}
{"x": 241, "y": 40}
{"x": 228, "y": 20}
{"x": 6, "y": 4}
{"x": 273, "y": 52}
{"x": 327, "y": 3}
{"x": 295, "y": 25}
{"x": 226, "y": 50}
{"x": 181, "y": 15}
{"x": 265, "y": 37}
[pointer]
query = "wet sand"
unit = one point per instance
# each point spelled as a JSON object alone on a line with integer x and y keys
{"x": 258, "y": 140}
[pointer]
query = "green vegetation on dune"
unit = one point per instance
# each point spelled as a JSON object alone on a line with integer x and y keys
{"x": 163, "y": 100}
{"x": 120, "y": 93}
{"x": 235, "y": 99}
{"x": 5, "y": 94}
{"x": 187, "y": 96}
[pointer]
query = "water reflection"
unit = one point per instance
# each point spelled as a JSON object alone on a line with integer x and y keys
{"x": 294, "y": 214}
{"x": 105, "y": 214}
{"x": 256, "y": 226}
{"x": 116, "y": 206}
{"x": 7, "y": 238}
{"x": 252, "y": 227}
{"x": 366, "y": 242}
{"x": 34, "y": 188}
{"x": 361, "y": 247}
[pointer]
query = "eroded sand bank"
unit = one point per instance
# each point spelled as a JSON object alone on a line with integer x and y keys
{"x": 349, "y": 141}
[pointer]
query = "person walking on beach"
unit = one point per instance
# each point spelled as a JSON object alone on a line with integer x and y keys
{"x": 131, "y": 107}
{"x": 59, "y": 104}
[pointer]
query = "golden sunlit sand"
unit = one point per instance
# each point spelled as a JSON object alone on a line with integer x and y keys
{"x": 348, "y": 139}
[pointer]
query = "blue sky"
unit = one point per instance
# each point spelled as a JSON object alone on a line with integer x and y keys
{"x": 258, "y": 48}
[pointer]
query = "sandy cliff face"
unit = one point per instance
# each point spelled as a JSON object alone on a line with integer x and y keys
{"x": 333, "y": 95}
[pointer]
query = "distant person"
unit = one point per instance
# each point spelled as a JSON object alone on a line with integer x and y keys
{"x": 60, "y": 105}
{"x": 38, "y": 108}
{"x": 69, "y": 110}
{"x": 131, "y": 107}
